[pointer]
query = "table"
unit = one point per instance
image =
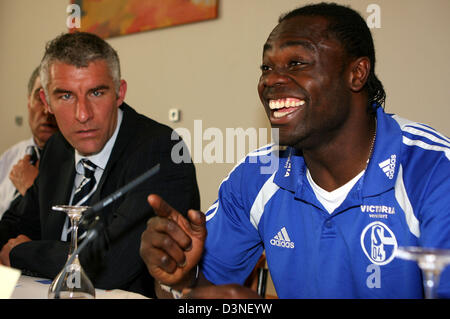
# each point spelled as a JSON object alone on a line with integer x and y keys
{"x": 37, "y": 288}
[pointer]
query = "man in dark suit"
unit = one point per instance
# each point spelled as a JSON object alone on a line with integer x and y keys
{"x": 81, "y": 81}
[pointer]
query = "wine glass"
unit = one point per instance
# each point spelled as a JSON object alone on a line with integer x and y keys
{"x": 431, "y": 261}
{"x": 72, "y": 282}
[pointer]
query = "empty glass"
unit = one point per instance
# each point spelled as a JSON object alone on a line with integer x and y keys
{"x": 72, "y": 280}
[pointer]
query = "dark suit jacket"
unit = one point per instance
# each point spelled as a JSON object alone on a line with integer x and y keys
{"x": 112, "y": 260}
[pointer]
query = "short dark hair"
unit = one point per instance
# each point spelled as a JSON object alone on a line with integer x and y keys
{"x": 349, "y": 28}
{"x": 32, "y": 79}
{"x": 79, "y": 49}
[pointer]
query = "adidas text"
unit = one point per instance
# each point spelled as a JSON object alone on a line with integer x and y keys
{"x": 282, "y": 243}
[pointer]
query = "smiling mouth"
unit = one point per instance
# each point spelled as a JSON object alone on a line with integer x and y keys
{"x": 285, "y": 106}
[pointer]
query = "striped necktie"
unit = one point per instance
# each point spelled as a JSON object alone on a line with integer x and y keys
{"x": 34, "y": 154}
{"x": 81, "y": 196}
{"x": 86, "y": 187}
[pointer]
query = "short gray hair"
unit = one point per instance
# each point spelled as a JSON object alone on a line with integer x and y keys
{"x": 79, "y": 49}
{"x": 32, "y": 79}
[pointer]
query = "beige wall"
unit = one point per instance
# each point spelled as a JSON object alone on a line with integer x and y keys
{"x": 209, "y": 70}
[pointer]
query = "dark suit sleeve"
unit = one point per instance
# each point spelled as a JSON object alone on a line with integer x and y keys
{"x": 9, "y": 223}
{"x": 40, "y": 258}
{"x": 43, "y": 256}
{"x": 22, "y": 217}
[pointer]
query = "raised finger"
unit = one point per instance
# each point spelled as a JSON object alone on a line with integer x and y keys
{"x": 161, "y": 207}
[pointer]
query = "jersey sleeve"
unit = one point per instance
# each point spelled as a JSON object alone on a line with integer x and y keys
{"x": 233, "y": 245}
{"x": 434, "y": 216}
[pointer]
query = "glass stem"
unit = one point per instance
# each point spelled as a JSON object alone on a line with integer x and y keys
{"x": 74, "y": 239}
{"x": 430, "y": 284}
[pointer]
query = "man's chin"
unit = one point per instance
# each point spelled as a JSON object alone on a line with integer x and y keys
{"x": 43, "y": 137}
{"x": 87, "y": 150}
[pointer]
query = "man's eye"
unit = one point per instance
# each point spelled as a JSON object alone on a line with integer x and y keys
{"x": 97, "y": 93}
{"x": 295, "y": 64}
{"x": 265, "y": 67}
{"x": 66, "y": 96}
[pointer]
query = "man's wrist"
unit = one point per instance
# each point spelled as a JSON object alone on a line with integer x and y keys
{"x": 176, "y": 291}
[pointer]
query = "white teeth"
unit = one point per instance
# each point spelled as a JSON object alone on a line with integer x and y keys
{"x": 278, "y": 114}
{"x": 288, "y": 102}
{"x": 272, "y": 104}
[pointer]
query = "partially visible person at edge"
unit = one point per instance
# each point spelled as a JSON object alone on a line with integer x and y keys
{"x": 353, "y": 182}
{"x": 103, "y": 145}
{"x": 19, "y": 164}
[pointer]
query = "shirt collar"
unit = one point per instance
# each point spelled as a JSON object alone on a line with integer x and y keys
{"x": 383, "y": 167}
{"x": 291, "y": 169}
{"x": 381, "y": 171}
{"x": 101, "y": 158}
{"x": 33, "y": 142}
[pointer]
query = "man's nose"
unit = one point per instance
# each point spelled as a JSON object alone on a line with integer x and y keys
{"x": 83, "y": 111}
{"x": 275, "y": 77}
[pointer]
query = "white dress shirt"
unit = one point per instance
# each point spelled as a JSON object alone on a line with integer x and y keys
{"x": 8, "y": 159}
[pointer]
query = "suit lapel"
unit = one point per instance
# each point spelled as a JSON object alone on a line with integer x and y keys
{"x": 126, "y": 130}
{"x": 63, "y": 179}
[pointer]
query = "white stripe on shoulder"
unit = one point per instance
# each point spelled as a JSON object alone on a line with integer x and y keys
{"x": 426, "y": 146}
{"x": 402, "y": 198}
{"x": 265, "y": 194}
{"x": 264, "y": 150}
{"x": 211, "y": 212}
{"x": 259, "y": 152}
{"x": 424, "y": 127}
{"x": 431, "y": 137}
{"x": 421, "y": 130}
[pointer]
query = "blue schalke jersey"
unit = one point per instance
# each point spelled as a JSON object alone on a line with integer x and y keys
{"x": 403, "y": 199}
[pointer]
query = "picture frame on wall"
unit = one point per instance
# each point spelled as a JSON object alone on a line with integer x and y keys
{"x": 112, "y": 18}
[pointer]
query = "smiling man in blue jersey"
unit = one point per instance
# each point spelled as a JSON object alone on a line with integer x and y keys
{"x": 353, "y": 183}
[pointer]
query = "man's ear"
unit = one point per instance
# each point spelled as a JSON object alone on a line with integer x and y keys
{"x": 29, "y": 102}
{"x": 122, "y": 92}
{"x": 44, "y": 101}
{"x": 359, "y": 72}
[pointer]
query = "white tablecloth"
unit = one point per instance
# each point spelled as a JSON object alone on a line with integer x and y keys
{"x": 37, "y": 288}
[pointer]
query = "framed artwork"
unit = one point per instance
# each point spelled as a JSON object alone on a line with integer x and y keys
{"x": 111, "y": 18}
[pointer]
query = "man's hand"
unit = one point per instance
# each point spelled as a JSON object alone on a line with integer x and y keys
{"x": 172, "y": 245}
{"x": 23, "y": 174}
{"x": 13, "y": 242}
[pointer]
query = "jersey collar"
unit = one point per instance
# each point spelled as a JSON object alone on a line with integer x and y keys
{"x": 383, "y": 167}
{"x": 381, "y": 172}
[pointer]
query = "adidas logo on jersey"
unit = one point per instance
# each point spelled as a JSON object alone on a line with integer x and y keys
{"x": 388, "y": 166}
{"x": 282, "y": 239}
